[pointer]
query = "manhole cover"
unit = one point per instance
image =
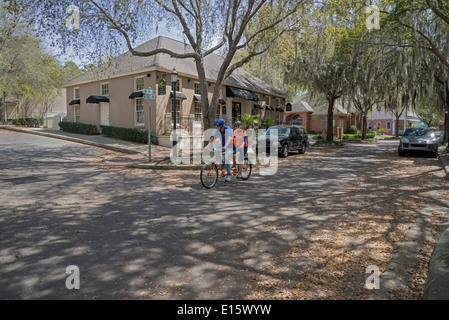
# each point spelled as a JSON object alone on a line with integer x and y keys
{"x": 23, "y": 180}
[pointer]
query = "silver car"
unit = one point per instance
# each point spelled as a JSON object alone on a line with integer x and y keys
{"x": 419, "y": 139}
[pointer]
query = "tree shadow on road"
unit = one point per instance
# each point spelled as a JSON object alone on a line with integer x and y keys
{"x": 308, "y": 232}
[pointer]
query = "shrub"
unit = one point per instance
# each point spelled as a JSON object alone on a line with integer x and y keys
{"x": 358, "y": 136}
{"x": 268, "y": 123}
{"x": 78, "y": 127}
{"x": 382, "y": 130}
{"x": 352, "y": 130}
{"x": 446, "y": 148}
{"x": 28, "y": 122}
{"x": 129, "y": 134}
{"x": 249, "y": 121}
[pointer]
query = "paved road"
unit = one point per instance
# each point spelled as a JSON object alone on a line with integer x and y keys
{"x": 137, "y": 234}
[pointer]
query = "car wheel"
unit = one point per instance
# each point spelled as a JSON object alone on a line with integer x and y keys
{"x": 284, "y": 151}
{"x": 401, "y": 152}
{"x": 435, "y": 154}
{"x": 303, "y": 148}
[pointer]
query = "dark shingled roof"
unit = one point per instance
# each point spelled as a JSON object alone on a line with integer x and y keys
{"x": 127, "y": 63}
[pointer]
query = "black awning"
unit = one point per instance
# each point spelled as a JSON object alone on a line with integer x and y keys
{"x": 221, "y": 101}
{"x": 136, "y": 94}
{"x": 77, "y": 101}
{"x": 179, "y": 95}
{"x": 280, "y": 109}
{"x": 269, "y": 108}
{"x": 234, "y": 92}
{"x": 197, "y": 97}
{"x": 258, "y": 106}
{"x": 97, "y": 99}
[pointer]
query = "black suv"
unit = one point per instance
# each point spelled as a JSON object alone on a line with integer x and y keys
{"x": 290, "y": 138}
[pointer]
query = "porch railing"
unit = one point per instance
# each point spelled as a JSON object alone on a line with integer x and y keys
{"x": 185, "y": 122}
{"x": 188, "y": 122}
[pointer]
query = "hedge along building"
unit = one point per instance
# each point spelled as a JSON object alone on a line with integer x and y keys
{"x": 112, "y": 93}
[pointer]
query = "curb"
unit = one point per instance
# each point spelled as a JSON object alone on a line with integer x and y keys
{"x": 437, "y": 282}
{"x": 90, "y": 143}
{"x": 445, "y": 163}
{"x": 163, "y": 166}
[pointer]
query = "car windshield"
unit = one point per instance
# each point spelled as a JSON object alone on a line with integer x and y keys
{"x": 419, "y": 133}
{"x": 281, "y": 131}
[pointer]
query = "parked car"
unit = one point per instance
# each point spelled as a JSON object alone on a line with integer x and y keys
{"x": 290, "y": 138}
{"x": 419, "y": 139}
{"x": 440, "y": 136}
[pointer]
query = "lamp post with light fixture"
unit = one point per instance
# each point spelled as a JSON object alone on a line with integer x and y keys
{"x": 174, "y": 80}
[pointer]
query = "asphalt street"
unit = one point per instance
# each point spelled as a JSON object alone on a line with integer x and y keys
{"x": 137, "y": 236}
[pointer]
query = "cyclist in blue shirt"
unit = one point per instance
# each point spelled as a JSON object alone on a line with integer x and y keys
{"x": 224, "y": 132}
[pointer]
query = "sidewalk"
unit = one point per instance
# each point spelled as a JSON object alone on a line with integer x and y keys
{"x": 133, "y": 152}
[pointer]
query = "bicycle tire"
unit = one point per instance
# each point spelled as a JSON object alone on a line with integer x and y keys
{"x": 209, "y": 175}
{"x": 246, "y": 173}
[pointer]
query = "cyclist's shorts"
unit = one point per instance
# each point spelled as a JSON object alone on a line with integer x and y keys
{"x": 245, "y": 149}
{"x": 240, "y": 156}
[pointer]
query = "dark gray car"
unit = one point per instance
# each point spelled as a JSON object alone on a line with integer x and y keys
{"x": 419, "y": 139}
{"x": 290, "y": 138}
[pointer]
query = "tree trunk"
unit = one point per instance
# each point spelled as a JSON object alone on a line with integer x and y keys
{"x": 446, "y": 124}
{"x": 330, "y": 119}
{"x": 396, "y": 128}
{"x": 3, "y": 108}
{"x": 446, "y": 115}
{"x": 364, "y": 125}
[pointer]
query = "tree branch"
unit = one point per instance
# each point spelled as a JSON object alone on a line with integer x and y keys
{"x": 116, "y": 26}
{"x": 438, "y": 12}
{"x": 432, "y": 47}
{"x": 250, "y": 56}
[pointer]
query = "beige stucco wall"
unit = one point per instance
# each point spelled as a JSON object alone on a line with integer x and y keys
{"x": 165, "y": 103}
{"x": 89, "y": 113}
{"x": 121, "y": 108}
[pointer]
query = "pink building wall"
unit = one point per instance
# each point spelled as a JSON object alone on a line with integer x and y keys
{"x": 381, "y": 123}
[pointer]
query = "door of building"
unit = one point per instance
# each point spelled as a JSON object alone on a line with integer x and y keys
{"x": 104, "y": 113}
{"x": 236, "y": 111}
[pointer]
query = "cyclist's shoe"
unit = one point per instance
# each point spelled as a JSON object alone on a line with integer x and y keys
{"x": 228, "y": 178}
{"x": 239, "y": 175}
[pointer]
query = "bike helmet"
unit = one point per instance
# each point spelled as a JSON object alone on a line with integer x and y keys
{"x": 219, "y": 122}
{"x": 237, "y": 123}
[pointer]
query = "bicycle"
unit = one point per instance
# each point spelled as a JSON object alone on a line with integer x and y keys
{"x": 209, "y": 172}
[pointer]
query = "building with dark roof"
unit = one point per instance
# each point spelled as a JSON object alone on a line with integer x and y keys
{"x": 111, "y": 94}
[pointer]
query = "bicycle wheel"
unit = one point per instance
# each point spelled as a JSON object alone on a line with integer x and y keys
{"x": 209, "y": 175}
{"x": 246, "y": 170}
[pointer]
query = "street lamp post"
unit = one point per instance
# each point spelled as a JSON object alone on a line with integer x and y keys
{"x": 174, "y": 80}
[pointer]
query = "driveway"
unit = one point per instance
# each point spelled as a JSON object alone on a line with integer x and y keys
{"x": 308, "y": 232}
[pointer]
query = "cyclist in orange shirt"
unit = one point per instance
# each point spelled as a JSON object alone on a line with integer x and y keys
{"x": 240, "y": 140}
